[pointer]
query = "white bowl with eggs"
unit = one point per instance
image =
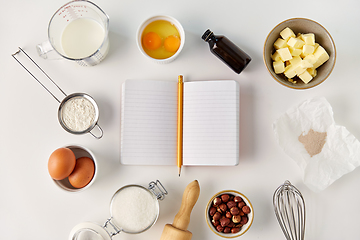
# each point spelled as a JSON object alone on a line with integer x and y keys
{"x": 175, "y": 23}
{"x": 79, "y": 151}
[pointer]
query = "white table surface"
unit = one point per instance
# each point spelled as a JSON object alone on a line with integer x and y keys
{"x": 32, "y": 207}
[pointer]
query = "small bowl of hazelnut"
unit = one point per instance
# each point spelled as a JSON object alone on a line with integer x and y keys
{"x": 229, "y": 214}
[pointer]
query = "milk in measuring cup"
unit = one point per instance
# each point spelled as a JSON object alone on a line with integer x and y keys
{"x": 82, "y": 37}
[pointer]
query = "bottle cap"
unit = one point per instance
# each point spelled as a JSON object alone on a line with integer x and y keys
{"x": 206, "y": 35}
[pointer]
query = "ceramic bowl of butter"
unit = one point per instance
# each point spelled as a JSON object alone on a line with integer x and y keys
{"x": 229, "y": 214}
{"x": 299, "y": 53}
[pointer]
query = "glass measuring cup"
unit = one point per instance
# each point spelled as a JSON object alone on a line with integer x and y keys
{"x": 116, "y": 224}
{"x": 77, "y": 31}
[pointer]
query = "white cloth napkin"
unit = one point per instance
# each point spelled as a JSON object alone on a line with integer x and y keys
{"x": 340, "y": 153}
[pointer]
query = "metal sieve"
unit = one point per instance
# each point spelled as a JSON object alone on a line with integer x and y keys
{"x": 94, "y": 121}
{"x": 65, "y": 100}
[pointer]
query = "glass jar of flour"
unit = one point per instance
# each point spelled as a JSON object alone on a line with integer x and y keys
{"x": 134, "y": 209}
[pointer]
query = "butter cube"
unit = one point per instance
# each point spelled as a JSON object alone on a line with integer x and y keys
{"x": 305, "y": 77}
{"x": 308, "y": 49}
{"x": 310, "y": 58}
{"x": 295, "y": 60}
{"x": 299, "y": 69}
{"x": 284, "y": 54}
{"x": 280, "y": 43}
{"x": 312, "y": 71}
{"x": 279, "y": 67}
{"x": 295, "y": 51}
{"x": 290, "y": 71}
{"x": 287, "y": 33}
{"x": 305, "y": 64}
{"x": 308, "y": 38}
{"x": 295, "y": 42}
{"x": 321, "y": 56}
{"x": 276, "y": 57}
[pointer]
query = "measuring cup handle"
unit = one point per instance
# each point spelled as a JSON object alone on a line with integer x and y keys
{"x": 44, "y": 48}
{"x": 101, "y": 132}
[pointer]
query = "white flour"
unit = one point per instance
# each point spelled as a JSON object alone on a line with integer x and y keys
{"x": 78, "y": 114}
{"x": 134, "y": 209}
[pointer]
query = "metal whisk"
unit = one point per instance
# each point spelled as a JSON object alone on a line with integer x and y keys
{"x": 289, "y": 206}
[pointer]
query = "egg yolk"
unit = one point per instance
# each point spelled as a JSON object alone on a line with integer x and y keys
{"x": 151, "y": 41}
{"x": 172, "y": 43}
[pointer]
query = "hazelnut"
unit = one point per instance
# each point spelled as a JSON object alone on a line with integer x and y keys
{"x": 241, "y": 204}
{"x": 225, "y": 198}
{"x": 241, "y": 213}
{"x": 246, "y": 209}
{"x": 219, "y": 228}
{"x": 215, "y": 222}
{"x": 244, "y": 220}
{"x": 235, "y": 230}
{"x": 236, "y": 218}
{"x": 234, "y": 211}
{"x": 217, "y": 216}
{"x": 224, "y": 222}
{"x": 217, "y": 201}
{"x": 227, "y": 230}
{"x": 212, "y": 211}
{"x": 231, "y": 204}
{"x": 231, "y": 224}
{"x": 238, "y": 199}
{"x": 228, "y": 215}
{"x": 223, "y": 207}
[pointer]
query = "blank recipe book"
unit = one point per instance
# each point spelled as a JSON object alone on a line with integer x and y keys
{"x": 210, "y": 123}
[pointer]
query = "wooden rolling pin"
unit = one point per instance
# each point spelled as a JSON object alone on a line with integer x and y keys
{"x": 178, "y": 230}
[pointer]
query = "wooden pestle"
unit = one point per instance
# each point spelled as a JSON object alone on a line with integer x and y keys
{"x": 178, "y": 230}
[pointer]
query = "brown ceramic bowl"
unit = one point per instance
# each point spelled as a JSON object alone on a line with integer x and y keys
{"x": 301, "y": 25}
{"x": 243, "y": 228}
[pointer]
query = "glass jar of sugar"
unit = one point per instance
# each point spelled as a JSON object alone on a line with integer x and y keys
{"x": 134, "y": 209}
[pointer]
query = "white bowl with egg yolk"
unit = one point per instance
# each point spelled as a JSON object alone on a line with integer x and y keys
{"x": 174, "y": 22}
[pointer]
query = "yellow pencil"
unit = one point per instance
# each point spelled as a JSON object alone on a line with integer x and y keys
{"x": 180, "y": 123}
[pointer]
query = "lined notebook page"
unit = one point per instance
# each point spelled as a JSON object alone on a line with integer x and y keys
{"x": 149, "y": 123}
{"x": 211, "y": 123}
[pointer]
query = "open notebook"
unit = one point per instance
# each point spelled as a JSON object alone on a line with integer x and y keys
{"x": 210, "y": 123}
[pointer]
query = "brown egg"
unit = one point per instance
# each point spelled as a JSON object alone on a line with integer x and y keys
{"x": 61, "y": 163}
{"x": 83, "y": 172}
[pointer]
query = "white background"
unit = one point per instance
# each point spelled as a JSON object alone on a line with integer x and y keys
{"x": 33, "y": 207}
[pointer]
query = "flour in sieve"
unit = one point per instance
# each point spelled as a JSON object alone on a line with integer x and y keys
{"x": 78, "y": 114}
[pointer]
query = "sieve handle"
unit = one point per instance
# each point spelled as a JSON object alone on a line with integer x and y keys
{"x": 101, "y": 132}
{"x": 21, "y": 50}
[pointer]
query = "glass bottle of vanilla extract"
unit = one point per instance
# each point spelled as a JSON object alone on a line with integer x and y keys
{"x": 227, "y": 51}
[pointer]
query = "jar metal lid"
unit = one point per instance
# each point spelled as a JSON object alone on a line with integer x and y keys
{"x": 89, "y": 231}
